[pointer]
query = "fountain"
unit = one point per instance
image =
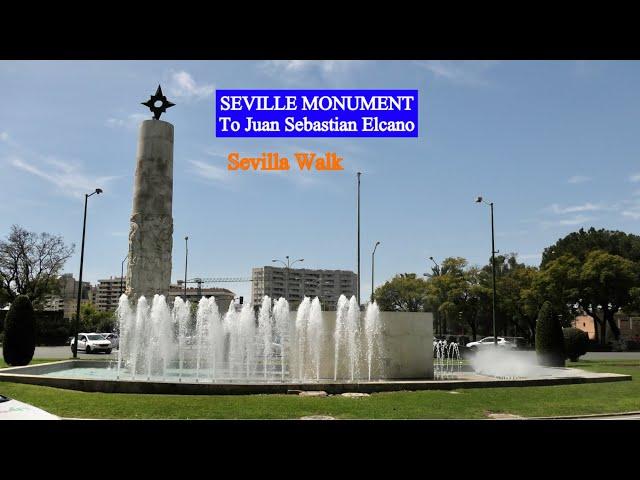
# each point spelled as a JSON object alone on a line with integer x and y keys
{"x": 372, "y": 329}
{"x": 447, "y": 363}
{"x": 163, "y": 344}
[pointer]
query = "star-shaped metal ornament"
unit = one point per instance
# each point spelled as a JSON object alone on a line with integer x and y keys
{"x": 158, "y": 97}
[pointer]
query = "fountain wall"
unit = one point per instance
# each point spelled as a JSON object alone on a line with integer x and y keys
{"x": 405, "y": 349}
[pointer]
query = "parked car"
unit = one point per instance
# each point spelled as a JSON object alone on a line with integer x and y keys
{"x": 489, "y": 341}
{"x": 461, "y": 340}
{"x": 92, "y": 343}
{"x": 113, "y": 338}
{"x": 519, "y": 342}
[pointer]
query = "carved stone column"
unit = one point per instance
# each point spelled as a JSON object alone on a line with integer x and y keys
{"x": 151, "y": 229}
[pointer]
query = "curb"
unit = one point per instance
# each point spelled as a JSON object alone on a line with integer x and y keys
{"x": 577, "y": 417}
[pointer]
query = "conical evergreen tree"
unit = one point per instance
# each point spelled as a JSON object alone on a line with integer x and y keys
{"x": 549, "y": 338}
{"x": 19, "y": 341}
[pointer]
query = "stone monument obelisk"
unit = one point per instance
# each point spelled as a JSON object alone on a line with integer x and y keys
{"x": 151, "y": 225}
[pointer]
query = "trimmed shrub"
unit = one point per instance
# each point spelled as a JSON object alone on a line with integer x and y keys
{"x": 576, "y": 343}
{"x": 549, "y": 338}
{"x": 51, "y": 328}
{"x": 19, "y": 332}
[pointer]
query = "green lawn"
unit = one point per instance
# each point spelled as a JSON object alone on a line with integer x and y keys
{"x": 467, "y": 403}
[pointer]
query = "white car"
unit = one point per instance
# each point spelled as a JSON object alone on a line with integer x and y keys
{"x": 488, "y": 341}
{"x": 113, "y": 338}
{"x": 92, "y": 343}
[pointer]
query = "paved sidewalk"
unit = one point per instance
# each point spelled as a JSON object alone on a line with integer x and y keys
{"x": 14, "y": 410}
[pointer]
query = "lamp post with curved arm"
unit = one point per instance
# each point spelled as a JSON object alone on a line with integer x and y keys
{"x": 493, "y": 268}
{"x": 436, "y": 272}
{"x": 122, "y": 274}
{"x": 97, "y": 191}
{"x": 288, "y": 266}
{"x": 373, "y": 267}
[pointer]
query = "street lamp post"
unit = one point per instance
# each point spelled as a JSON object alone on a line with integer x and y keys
{"x": 84, "y": 229}
{"x": 122, "y": 274}
{"x": 373, "y": 267}
{"x": 437, "y": 269}
{"x": 358, "y": 286}
{"x": 493, "y": 268}
{"x": 288, "y": 266}
{"x": 186, "y": 258}
{"x": 436, "y": 272}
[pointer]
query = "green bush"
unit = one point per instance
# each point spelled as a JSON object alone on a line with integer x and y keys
{"x": 549, "y": 338}
{"x": 51, "y": 328}
{"x": 576, "y": 343}
{"x": 19, "y": 332}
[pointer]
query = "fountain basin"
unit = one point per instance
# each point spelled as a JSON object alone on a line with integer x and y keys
{"x": 59, "y": 375}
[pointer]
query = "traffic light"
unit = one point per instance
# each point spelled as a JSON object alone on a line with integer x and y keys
{"x": 241, "y": 300}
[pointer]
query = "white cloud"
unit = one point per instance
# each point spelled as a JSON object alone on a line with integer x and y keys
{"x": 579, "y": 179}
{"x": 4, "y": 136}
{"x": 184, "y": 85}
{"x": 587, "y": 68}
{"x": 586, "y": 207}
{"x": 513, "y": 233}
{"x": 635, "y": 177}
{"x": 66, "y": 177}
{"x": 575, "y": 220}
{"x": 632, "y": 210}
{"x": 530, "y": 256}
{"x": 293, "y": 66}
{"x": 131, "y": 122}
{"x": 209, "y": 172}
{"x": 332, "y": 71}
{"x": 464, "y": 72}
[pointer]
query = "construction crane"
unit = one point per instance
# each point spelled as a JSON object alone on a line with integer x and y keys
{"x": 199, "y": 281}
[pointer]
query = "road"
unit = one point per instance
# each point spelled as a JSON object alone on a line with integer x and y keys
{"x": 65, "y": 352}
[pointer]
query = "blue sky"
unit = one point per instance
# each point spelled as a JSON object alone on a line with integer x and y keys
{"x": 554, "y": 144}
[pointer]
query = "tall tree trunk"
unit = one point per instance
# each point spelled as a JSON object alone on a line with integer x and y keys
{"x": 599, "y": 337}
{"x": 474, "y": 328}
{"x": 609, "y": 318}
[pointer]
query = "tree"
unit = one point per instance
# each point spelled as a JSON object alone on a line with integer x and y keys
{"x": 456, "y": 293}
{"x": 513, "y": 283}
{"x": 598, "y": 284}
{"x": 19, "y": 342}
{"x": 576, "y": 343}
{"x": 579, "y": 244}
{"x": 439, "y": 285}
{"x": 517, "y": 303}
{"x": 403, "y": 293}
{"x": 549, "y": 338}
{"x": 559, "y": 283}
{"x": 606, "y": 283}
{"x": 30, "y": 264}
{"x": 94, "y": 320}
